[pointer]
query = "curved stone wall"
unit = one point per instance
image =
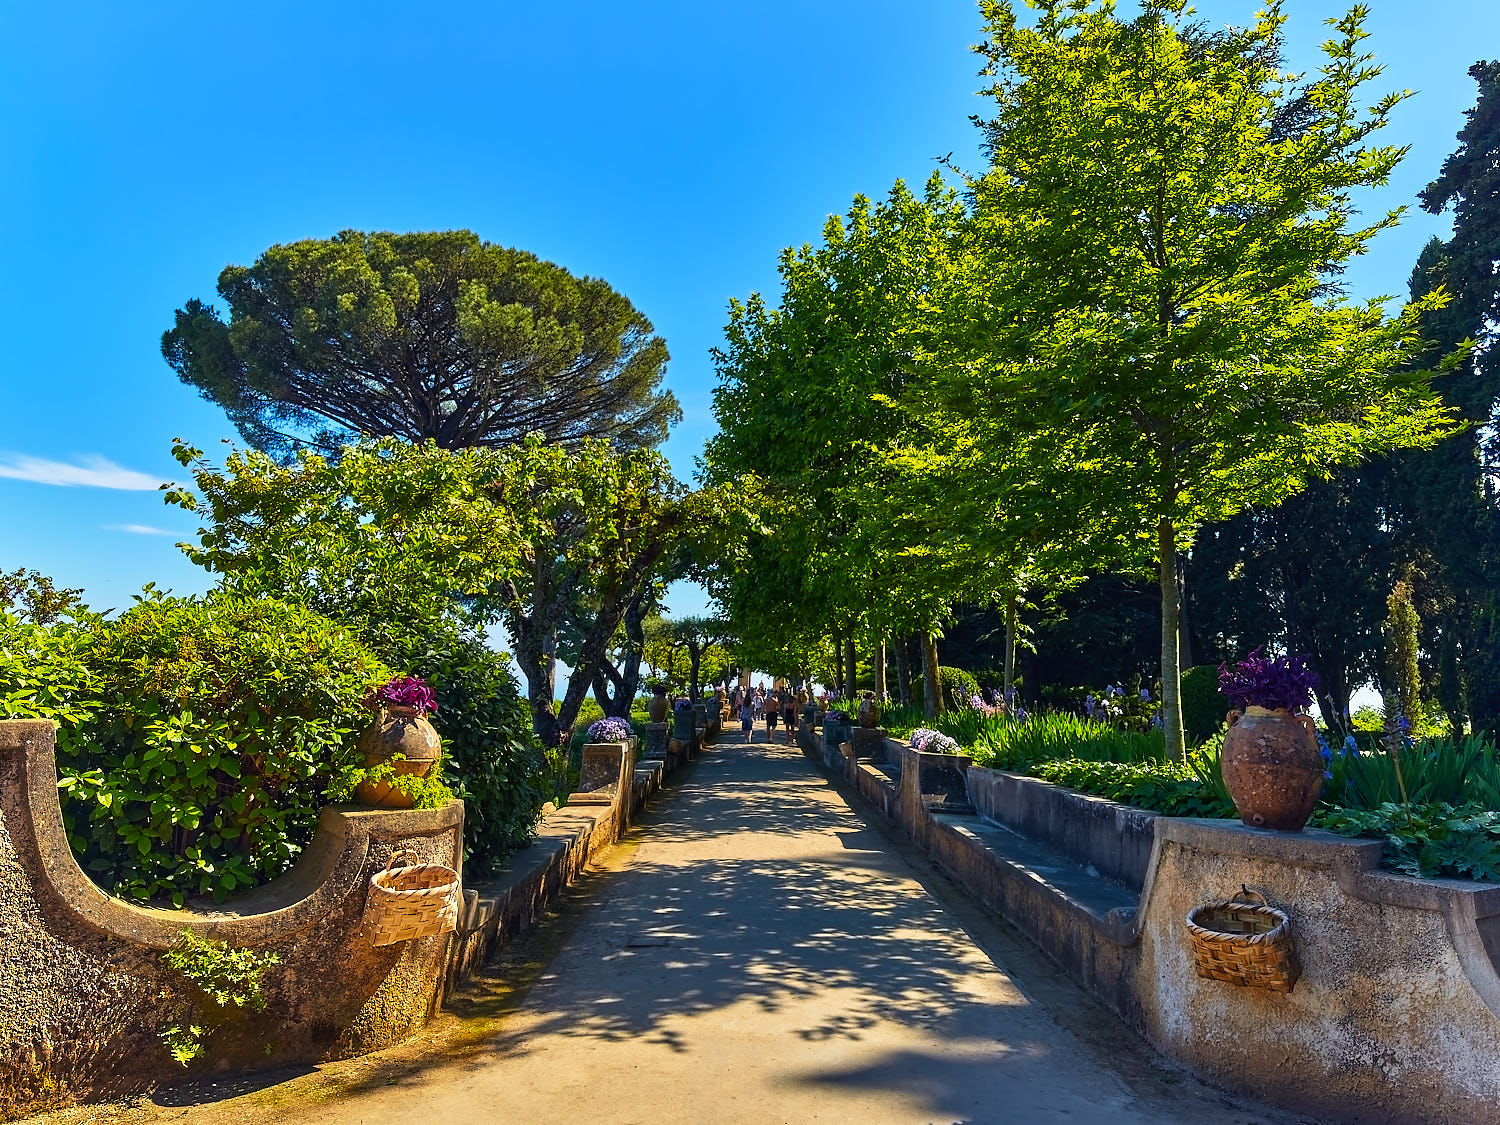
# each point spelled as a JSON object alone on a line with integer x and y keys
{"x": 84, "y": 991}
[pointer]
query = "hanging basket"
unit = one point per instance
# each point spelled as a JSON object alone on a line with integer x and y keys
{"x": 1244, "y": 942}
{"x": 412, "y": 901}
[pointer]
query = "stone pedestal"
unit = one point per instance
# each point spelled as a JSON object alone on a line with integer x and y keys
{"x": 656, "y": 740}
{"x": 604, "y": 764}
{"x": 868, "y": 742}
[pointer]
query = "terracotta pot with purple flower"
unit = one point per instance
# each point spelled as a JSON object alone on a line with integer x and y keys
{"x": 400, "y": 736}
{"x": 1271, "y": 763}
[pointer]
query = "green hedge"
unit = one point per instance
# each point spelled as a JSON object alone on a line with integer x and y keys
{"x": 1203, "y": 704}
{"x": 199, "y": 736}
{"x": 957, "y": 686}
{"x": 494, "y": 761}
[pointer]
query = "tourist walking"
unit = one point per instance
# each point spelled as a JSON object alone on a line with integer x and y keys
{"x": 747, "y": 716}
{"x": 773, "y": 712}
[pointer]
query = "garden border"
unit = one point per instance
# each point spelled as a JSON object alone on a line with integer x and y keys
{"x": 1395, "y": 1018}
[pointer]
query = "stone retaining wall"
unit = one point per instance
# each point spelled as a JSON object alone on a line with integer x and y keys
{"x": 84, "y": 991}
{"x": 1396, "y": 1017}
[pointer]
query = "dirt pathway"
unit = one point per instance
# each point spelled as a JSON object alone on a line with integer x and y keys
{"x": 763, "y": 954}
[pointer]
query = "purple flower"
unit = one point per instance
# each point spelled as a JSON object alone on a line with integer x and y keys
{"x": 1145, "y": 695}
{"x": 612, "y": 729}
{"x": 1283, "y": 683}
{"x": 932, "y": 741}
{"x": 407, "y": 691}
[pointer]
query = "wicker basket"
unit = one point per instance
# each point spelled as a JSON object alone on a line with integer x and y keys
{"x": 1244, "y": 942}
{"x": 412, "y": 901}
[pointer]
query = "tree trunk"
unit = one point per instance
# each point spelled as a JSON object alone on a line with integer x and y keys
{"x": 1171, "y": 667}
{"x": 1010, "y": 651}
{"x": 539, "y": 666}
{"x": 880, "y": 671}
{"x": 615, "y": 688}
{"x": 932, "y": 691}
{"x": 903, "y": 671}
{"x": 1184, "y": 633}
{"x": 695, "y": 662}
{"x": 851, "y": 668}
{"x": 838, "y": 665}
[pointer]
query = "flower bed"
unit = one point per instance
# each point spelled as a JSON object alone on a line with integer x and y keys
{"x": 1448, "y": 824}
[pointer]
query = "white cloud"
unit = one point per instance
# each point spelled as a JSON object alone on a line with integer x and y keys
{"x": 92, "y": 471}
{"x": 137, "y": 529}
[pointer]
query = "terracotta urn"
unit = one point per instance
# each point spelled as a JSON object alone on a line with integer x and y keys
{"x": 657, "y": 708}
{"x": 398, "y": 730}
{"x": 1272, "y": 767}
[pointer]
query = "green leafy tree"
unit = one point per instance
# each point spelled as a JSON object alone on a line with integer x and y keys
{"x": 1150, "y": 307}
{"x": 33, "y": 597}
{"x": 427, "y": 337}
{"x": 390, "y": 537}
{"x": 1448, "y": 497}
{"x": 617, "y": 679}
{"x": 809, "y": 399}
{"x": 1306, "y": 576}
{"x": 705, "y": 640}
{"x": 597, "y": 528}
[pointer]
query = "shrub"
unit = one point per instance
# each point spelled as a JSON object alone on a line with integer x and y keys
{"x": 1203, "y": 704}
{"x": 1002, "y": 742}
{"x": 45, "y": 674}
{"x": 958, "y": 687}
{"x": 1432, "y": 840}
{"x": 220, "y": 723}
{"x": 494, "y": 762}
{"x": 1170, "y": 788}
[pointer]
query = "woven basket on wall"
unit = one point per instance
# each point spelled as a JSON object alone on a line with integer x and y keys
{"x": 413, "y": 901}
{"x": 1244, "y": 942}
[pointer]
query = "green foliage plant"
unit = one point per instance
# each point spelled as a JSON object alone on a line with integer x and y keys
{"x": 45, "y": 673}
{"x": 386, "y": 537}
{"x": 958, "y": 687}
{"x": 222, "y": 982}
{"x": 1403, "y": 676}
{"x": 434, "y": 336}
{"x": 429, "y": 792}
{"x": 492, "y": 758}
{"x": 1203, "y": 704}
{"x": 1435, "y": 840}
{"x": 34, "y": 598}
{"x": 1151, "y": 254}
{"x": 219, "y": 723}
{"x": 1170, "y": 788}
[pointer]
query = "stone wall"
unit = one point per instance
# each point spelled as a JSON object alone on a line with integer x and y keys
{"x": 1395, "y": 1018}
{"x": 84, "y": 990}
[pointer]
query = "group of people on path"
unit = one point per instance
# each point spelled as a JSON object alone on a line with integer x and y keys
{"x": 775, "y": 706}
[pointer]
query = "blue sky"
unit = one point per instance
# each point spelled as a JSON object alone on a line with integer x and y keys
{"x": 671, "y": 147}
